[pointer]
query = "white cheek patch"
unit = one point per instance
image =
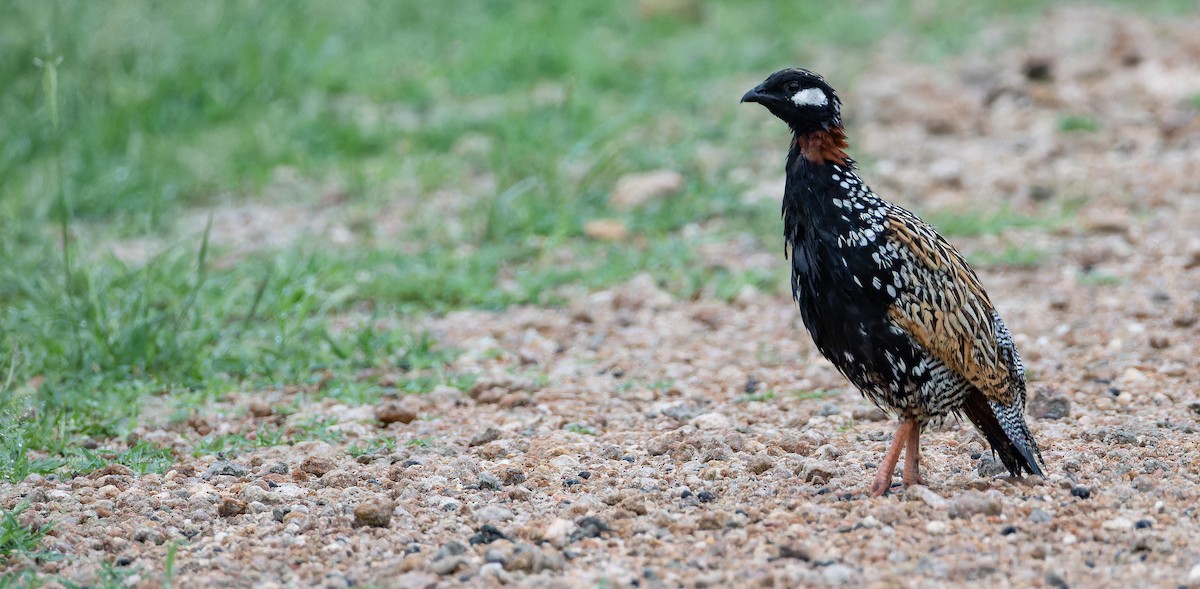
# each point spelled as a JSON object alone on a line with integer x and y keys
{"x": 810, "y": 97}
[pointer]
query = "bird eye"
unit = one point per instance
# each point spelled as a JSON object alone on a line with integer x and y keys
{"x": 792, "y": 87}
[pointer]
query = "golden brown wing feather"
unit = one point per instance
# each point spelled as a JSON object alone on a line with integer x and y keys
{"x": 946, "y": 310}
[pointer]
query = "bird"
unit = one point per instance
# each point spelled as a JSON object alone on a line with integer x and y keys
{"x": 888, "y": 300}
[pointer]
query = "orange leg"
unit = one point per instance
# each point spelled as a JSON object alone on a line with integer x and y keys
{"x": 883, "y": 478}
{"x": 912, "y": 457}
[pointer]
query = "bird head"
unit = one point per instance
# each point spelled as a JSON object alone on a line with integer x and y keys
{"x": 800, "y": 98}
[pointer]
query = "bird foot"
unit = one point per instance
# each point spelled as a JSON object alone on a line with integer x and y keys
{"x": 880, "y": 486}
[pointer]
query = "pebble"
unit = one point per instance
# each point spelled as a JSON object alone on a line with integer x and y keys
{"x": 447, "y": 565}
{"x": 972, "y": 502}
{"x": 1049, "y": 404}
{"x": 818, "y": 472}
{"x": 1117, "y": 523}
{"x": 375, "y": 512}
{"x": 990, "y": 467}
{"x": 760, "y": 464}
{"x": 605, "y": 229}
{"x": 559, "y": 532}
{"x": 1194, "y": 576}
{"x": 259, "y": 408}
{"x": 487, "y": 534}
{"x": 533, "y": 560}
{"x": 488, "y": 480}
{"x": 1081, "y": 491}
{"x": 589, "y": 527}
{"x": 712, "y": 422}
{"x": 1039, "y": 516}
{"x": 927, "y": 495}
{"x": 937, "y": 527}
{"x": 837, "y": 574}
{"x": 490, "y": 434}
{"x": 317, "y": 465}
{"x": 634, "y": 190}
{"x": 230, "y": 507}
{"x": 394, "y": 412}
{"x": 225, "y": 467}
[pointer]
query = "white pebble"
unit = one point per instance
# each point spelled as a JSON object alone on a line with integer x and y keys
{"x": 1194, "y": 576}
{"x": 711, "y": 421}
{"x": 1117, "y": 523}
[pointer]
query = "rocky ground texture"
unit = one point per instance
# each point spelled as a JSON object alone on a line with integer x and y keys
{"x": 630, "y": 438}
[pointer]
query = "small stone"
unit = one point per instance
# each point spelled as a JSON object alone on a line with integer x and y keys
{"x": 1081, "y": 491}
{"x": 487, "y": 534}
{"x": 712, "y": 421}
{"x": 494, "y": 570}
{"x": 760, "y": 464}
{"x": 533, "y": 560}
{"x": 990, "y": 467}
{"x": 259, "y": 408}
{"x": 448, "y": 565}
{"x": 278, "y": 468}
{"x": 148, "y": 535}
{"x": 660, "y": 445}
{"x": 1049, "y": 404}
{"x": 829, "y": 409}
{"x": 230, "y": 507}
{"x": 946, "y": 171}
{"x": 1143, "y": 524}
{"x": 605, "y": 229}
{"x": 450, "y": 549}
{"x": 972, "y": 502}
{"x": 1159, "y": 341}
{"x": 818, "y": 473}
{"x": 1117, "y": 523}
{"x": 393, "y": 412}
{"x": 1194, "y": 576}
{"x": 374, "y": 513}
{"x": 559, "y": 532}
{"x": 868, "y": 414}
{"x": 925, "y": 494}
{"x": 317, "y": 465}
{"x": 513, "y": 476}
{"x": 796, "y": 551}
{"x": 1055, "y": 581}
{"x": 1039, "y": 516}
{"x": 634, "y": 190}
{"x": 226, "y": 468}
{"x": 937, "y": 527}
{"x": 1133, "y": 375}
{"x": 490, "y": 434}
{"x": 705, "y": 497}
{"x": 488, "y": 480}
{"x": 837, "y": 574}
{"x": 589, "y": 527}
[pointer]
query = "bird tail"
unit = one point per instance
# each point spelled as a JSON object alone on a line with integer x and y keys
{"x": 1005, "y": 429}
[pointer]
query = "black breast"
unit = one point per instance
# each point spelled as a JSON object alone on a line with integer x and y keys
{"x": 832, "y": 266}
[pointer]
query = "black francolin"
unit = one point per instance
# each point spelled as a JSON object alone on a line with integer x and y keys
{"x": 886, "y": 298}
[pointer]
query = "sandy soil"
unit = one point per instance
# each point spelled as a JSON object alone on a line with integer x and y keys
{"x": 633, "y": 439}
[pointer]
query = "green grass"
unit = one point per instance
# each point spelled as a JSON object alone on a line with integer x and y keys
{"x": 1014, "y": 256}
{"x": 1078, "y": 123}
{"x": 121, "y": 116}
{"x": 21, "y": 541}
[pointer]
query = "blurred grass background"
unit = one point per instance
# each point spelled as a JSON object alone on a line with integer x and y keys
{"x": 500, "y": 125}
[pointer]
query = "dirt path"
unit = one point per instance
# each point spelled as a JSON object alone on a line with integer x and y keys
{"x": 632, "y": 439}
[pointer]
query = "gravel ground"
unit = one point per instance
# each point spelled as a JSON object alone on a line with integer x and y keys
{"x": 633, "y": 439}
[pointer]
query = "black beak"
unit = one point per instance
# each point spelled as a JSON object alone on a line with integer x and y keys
{"x": 753, "y": 96}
